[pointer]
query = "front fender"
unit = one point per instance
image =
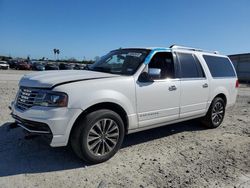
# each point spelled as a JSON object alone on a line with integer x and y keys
{"x": 107, "y": 96}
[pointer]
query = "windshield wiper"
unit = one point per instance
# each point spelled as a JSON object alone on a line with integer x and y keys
{"x": 101, "y": 69}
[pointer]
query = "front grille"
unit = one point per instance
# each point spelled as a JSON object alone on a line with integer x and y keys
{"x": 26, "y": 97}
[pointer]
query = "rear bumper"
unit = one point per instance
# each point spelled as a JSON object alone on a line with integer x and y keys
{"x": 56, "y": 122}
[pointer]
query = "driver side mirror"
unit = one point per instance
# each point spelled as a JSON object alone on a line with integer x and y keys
{"x": 152, "y": 74}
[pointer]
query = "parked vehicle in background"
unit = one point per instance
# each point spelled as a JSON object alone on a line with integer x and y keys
{"x": 62, "y": 66}
{"x": 4, "y": 65}
{"x": 126, "y": 91}
{"x": 39, "y": 66}
{"x": 79, "y": 66}
{"x": 51, "y": 66}
{"x": 66, "y": 66}
{"x": 13, "y": 63}
{"x": 23, "y": 65}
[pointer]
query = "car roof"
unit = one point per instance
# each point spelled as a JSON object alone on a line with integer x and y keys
{"x": 143, "y": 48}
{"x": 176, "y": 48}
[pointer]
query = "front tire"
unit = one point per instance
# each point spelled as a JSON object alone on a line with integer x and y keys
{"x": 98, "y": 136}
{"x": 215, "y": 114}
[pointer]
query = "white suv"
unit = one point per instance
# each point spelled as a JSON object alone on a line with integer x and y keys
{"x": 126, "y": 91}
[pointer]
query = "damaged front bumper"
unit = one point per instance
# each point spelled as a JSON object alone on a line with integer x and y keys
{"x": 55, "y": 123}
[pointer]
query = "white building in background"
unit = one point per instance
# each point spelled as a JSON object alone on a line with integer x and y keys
{"x": 242, "y": 65}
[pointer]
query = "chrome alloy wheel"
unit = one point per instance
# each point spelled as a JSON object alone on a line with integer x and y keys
{"x": 103, "y": 137}
{"x": 217, "y": 113}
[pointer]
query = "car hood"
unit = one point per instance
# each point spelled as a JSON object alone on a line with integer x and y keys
{"x": 49, "y": 79}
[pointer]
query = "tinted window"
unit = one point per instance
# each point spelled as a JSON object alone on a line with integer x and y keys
{"x": 163, "y": 61}
{"x": 190, "y": 66}
{"x": 219, "y": 66}
{"x": 122, "y": 61}
{"x": 199, "y": 67}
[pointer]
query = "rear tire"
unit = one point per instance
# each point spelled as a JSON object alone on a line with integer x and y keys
{"x": 215, "y": 114}
{"x": 98, "y": 136}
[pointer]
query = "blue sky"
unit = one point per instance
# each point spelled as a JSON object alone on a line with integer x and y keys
{"x": 92, "y": 28}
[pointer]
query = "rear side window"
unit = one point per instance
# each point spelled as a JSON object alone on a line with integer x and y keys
{"x": 219, "y": 66}
{"x": 190, "y": 66}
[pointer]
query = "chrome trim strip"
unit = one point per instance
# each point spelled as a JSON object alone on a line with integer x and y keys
{"x": 225, "y": 77}
{"x": 188, "y": 79}
{"x": 167, "y": 80}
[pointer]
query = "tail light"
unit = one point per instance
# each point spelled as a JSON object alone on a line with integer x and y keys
{"x": 237, "y": 84}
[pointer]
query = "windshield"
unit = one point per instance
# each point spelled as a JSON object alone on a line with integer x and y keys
{"x": 122, "y": 61}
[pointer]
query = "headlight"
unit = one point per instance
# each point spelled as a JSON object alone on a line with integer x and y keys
{"x": 51, "y": 99}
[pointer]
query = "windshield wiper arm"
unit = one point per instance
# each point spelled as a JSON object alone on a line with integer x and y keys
{"x": 101, "y": 69}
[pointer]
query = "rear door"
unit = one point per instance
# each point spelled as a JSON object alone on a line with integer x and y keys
{"x": 194, "y": 86}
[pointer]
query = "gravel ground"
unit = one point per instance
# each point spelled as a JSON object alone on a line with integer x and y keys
{"x": 178, "y": 155}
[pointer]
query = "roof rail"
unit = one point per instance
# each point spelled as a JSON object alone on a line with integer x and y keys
{"x": 192, "y": 49}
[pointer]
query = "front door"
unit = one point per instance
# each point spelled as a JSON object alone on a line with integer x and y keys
{"x": 158, "y": 101}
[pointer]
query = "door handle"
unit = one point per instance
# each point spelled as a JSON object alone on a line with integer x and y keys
{"x": 172, "y": 88}
{"x": 205, "y": 85}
